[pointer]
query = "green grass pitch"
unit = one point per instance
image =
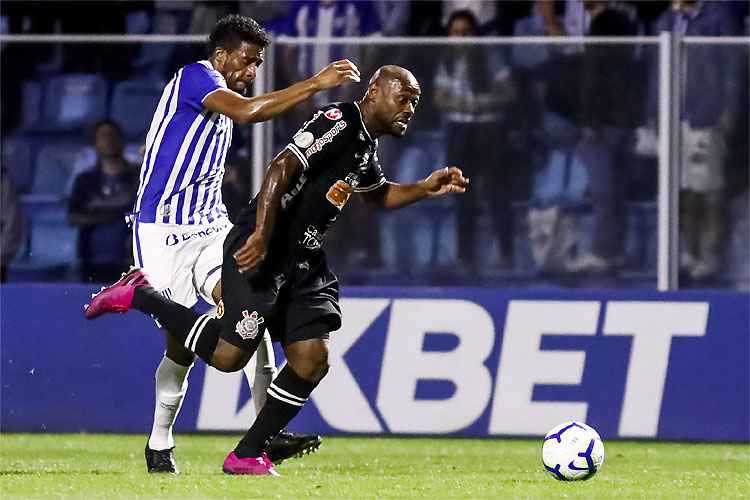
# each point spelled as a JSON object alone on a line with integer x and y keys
{"x": 111, "y": 466}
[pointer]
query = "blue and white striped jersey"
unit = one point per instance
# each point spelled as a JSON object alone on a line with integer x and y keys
{"x": 186, "y": 147}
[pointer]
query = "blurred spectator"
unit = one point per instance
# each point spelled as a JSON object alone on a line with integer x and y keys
{"x": 608, "y": 99}
{"x": 101, "y": 198}
{"x": 579, "y": 14}
{"x": 473, "y": 87}
{"x": 205, "y": 14}
{"x": 594, "y": 86}
{"x": 710, "y": 77}
{"x": 11, "y": 224}
{"x": 326, "y": 19}
{"x": 266, "y": 12}
{"x": 484, "y": 12}
{"x": 425, "y": 19}
{"x": 394, "y": 16}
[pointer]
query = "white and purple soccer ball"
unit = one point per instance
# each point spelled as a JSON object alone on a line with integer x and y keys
{"x": 572, "y": 451}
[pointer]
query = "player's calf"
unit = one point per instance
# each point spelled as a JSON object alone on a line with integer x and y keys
{"x": 289, "y": 391}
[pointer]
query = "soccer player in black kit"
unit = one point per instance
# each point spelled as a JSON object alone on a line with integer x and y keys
{"x": 275, "y": 273}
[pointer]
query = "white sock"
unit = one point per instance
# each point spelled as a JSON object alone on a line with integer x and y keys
{"x": 265, "y": 371}
{"x": 171, "y": 386}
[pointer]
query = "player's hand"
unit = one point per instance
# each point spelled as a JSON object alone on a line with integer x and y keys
{"x": 446, "y": 180}
{"x": 335, "y": 74}
{"x": 251, "y": 254}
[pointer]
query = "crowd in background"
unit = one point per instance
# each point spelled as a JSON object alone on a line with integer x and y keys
{"x": 559, "y": 140}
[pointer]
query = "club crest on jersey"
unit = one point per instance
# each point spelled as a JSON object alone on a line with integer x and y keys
{"x": 248, "y": 326}
{"x": 333, "y": 114}
{"x": 339, "y": 193}
{"x": 220, "y": 309}
{"x": 304, "y": 139}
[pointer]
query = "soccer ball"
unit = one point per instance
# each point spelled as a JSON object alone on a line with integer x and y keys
{"x": 572, "y": 451}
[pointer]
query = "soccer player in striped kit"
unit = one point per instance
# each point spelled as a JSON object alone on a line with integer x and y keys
{"x": 179, "y": 219}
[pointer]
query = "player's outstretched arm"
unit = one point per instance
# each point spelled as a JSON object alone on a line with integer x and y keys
{"x": 275, "y": 183}
{"x": 392, "y": 195}
{"x": 246, "y": 110}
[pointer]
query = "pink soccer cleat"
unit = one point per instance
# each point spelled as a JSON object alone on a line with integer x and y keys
{"x": 253, "y": 466}
{"x": 117, "y": 297}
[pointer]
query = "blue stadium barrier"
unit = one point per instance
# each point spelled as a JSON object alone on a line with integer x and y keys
{"x": 439, "y": 361}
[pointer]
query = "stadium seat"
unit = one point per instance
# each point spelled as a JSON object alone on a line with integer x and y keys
{"x": 18, "y": 158}
{"x": 133, "y": 105}
{"x": 50, "y": 250}
{"x": 74, "y": 100}
{"x": 153, "y": 61}
{"x": 55, "y": 167}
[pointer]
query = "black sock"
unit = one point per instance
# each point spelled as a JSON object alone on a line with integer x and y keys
{"x": 199, "y": 333}
{"x": 286, "y": 396}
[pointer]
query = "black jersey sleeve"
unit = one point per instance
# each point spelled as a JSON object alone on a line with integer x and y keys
{"x": 325, "y": 136}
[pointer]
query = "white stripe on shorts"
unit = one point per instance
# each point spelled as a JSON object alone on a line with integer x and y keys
{"x": 195, "y": 332}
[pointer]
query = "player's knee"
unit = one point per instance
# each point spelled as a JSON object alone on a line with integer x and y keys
{"x": 311, "y": 362}
{"x": 228, "y": 358}
{"x": 228, "y": 364}
{"x": 320, "y": 363}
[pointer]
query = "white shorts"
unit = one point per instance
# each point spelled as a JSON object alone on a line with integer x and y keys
{"x": 181, "y": 261}
{"x": 703, "y": 153}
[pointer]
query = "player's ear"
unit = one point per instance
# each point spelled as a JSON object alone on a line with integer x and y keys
{"x": 220, "y": 56}
{"x": 372, "y": 92}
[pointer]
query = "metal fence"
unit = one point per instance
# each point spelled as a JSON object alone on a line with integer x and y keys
{"x": 583, "y": 151}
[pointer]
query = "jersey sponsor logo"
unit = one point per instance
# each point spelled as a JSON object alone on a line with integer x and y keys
{"x": 174, "y": 239}
{"x": 325, "y": 139}
{"x": 313, "y": 239}
{"x": 339, "y": 194}
{"x": 333, "y": 114}
{"x": 288, "y": 197}
{"x": 248, "y": 326}
{"x": 304, "y": 139}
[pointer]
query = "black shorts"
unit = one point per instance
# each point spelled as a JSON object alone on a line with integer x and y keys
{"x": 295, "y": 300}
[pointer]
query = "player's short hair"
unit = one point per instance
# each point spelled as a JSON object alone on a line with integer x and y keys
{"x": 233, "y": 29}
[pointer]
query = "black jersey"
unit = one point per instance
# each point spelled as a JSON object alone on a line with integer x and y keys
{"x": 339, "y": 158}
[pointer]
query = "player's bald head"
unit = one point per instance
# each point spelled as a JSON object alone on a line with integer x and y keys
{"x": 390, "y": 101}
{"x": 391, "y": 76}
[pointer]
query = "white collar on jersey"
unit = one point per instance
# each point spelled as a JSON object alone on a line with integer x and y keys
{"x": 207, "y": 64}
{"x": 364, "y": 127}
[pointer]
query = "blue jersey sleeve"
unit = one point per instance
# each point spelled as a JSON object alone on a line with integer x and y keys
{"x": 197, "y": 82}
